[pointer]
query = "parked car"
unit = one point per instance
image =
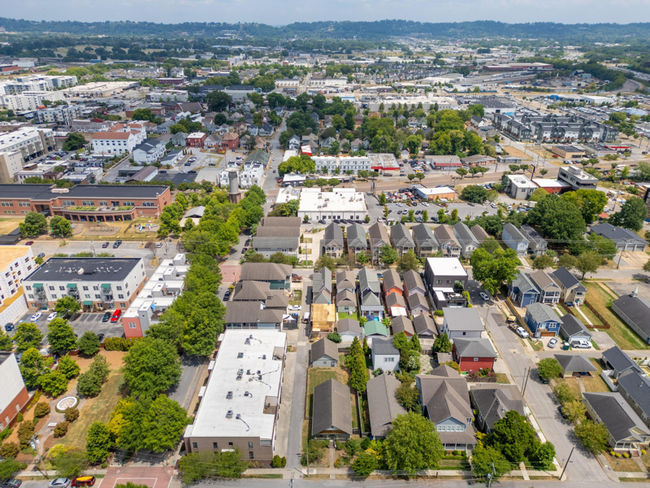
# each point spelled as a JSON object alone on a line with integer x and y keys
{"x": 35, "y": 317}
{"x": 84, "y": 481}
{"x": 158, "y": 245}
{"x": 552, "y": 343}
{"x": 581, "y": 344}
{"x": 11, "y": 483}
{"x": 117, "y": 244}
{"x": 41, "y": 255}
{"x": 60, "y": 483}
{"x": 9, "y": 327}
{"x": 29, "y": 243}
{"x": 106, "y": 317}
{"x": 51, "y": 317}
{"x": 521, "y": 332}
{"x": 101, "y": 336}
{"x": 116, "y": 316}
{"x": 105, "y": 245}
{"x": 484, "y": 296}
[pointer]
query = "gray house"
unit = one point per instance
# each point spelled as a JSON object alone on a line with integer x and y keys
{"x": 635, "y": 312}
{"x": 549, "y": 291}
{"x": 346, "y": 302}
{"x": 447, "y": 241}
{"x": 400, "y": 238}
{"x": 333, "y": 244}
{"x": 467, "y": 240}
{"x": 424, "y": 326}
{"x": 417, "y": 304}
{"x": 357, "y": 242}
{"x": 514, "y": 239}
{"x": 572, "y": 329}
{"x": 378, "y": 237}
{"x": 575, "y": 364}
{"x": 322, "y": 286}
{"x": 479, "y": 233}
{"x": 346, "y": 280}
{"x": 324, "y": 354}
{"x": 572, "y": 290}
{"x": 462, "y": 323}
{"x": 332, "y": 415}
{"x": 537, "y": 245}
{"x": 403, "y": 324}
{"x": 493, "y": 402}
{"x": 425, "y": 242}
{"x": 625, "y": 239}
{"x": 369, "y": 294}
{"x": 413, "y": 284}
{"x": 348, "y": 329}
{"x": 383, "y": 406}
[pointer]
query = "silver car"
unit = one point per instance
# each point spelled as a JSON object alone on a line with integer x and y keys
{"x": 60, "y": 483}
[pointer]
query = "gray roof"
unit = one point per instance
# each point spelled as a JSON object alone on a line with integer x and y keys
{"x": 445, "y": 395}
{"x": 272, "y": 242}
{"x": 524, "y": 283}
{"x": 444, "y": 234}
{"x": 636, "y": 309}
{"x": 542, "y": 280}
{"x": 619, "y": 360}
{"x": 345, "y": 279}
{"x": 195, "y": 212}
{"x": 378, "y": 235}
{"x": 401, "y": 236}
{"x": 383, "y": 406}
{"x": 514, "y": 233}
{"x": 260, "y": 291}
{"x": 412, "y": 280}
{"x": 368, "y": 279}
{"x": 280, "y": 222}
{"x": 324, "y": 347}
{"x": 392, "y": 280}
{"x": 333, "y": 235}
{"x": 479, "y": 233}
{"x": 74, "y": 270}
{"x": 464, "y": 235}
{"x": 567, "y": 279}
{"x": 422, "y": 323}
{"x": 415, "y": 300}
{"x": 384, "y": 347}
{"x": 572, "y": 325}
{"x": 541, "y": 312}
{"x": 349, "y": 325}
{"x": 403, "y": 324}
{"x": 322, "y": 281}
{"x": 265, "y": 272}
{"x": 346, "y": 295}
{"x": 423, "y": 236}
{"x": 356, "y": 236}
{"x": 474, "y": 348}
{"x": 495, "y": 400}
{"x": 617, "y": 234}
{"x": 331, "y": 408}
{"x": 575, "y": 362}
{"x": 615, "y": 413}
{"x": 251, "y": 312}
{"x": 463, "y": 319}
{"x": 535, "y": 240}
{"x": 637, "y": 385}
{"x": 370, "y": 300}
{"x": 395, "y": 300}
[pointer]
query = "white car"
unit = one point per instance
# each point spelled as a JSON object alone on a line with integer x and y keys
{"x": 484, "y": 296}
{"x": 51, "y": 317}
{"x": 551, "y": 344}
{"x": 521, "y": 332}
{"x": 35, "y": 317}
{"x": 60, "y": 483}
{"x": 294, "y": 307}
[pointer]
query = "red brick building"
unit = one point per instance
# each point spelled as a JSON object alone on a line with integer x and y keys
{"x": 230, "y": 140}
{"x": 474, "y": 354}
{"x": 86, "y": 203}
{"x": 196, "y": 139}
{"x": 13, "y": 394}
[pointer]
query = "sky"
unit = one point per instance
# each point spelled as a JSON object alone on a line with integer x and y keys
{"x": 282, "y": 12}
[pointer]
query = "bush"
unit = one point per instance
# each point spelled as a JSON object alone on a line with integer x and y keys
{"x": 643, "y": 452}
{"x": 618, "y": 454}
{"x": 89, "y": 343}
{"x": 334, "y": 337}
{"x": 119, "y": 343}
{"x": 276, "y": 462}
{"x": 439, "y": 313}
{"x": 19, "y": 417}
{"x": 71, "y": 414}
{"x": 9, "y": 450}
{"x": 455, "y": 453}
{"x": 61, "y": 429}
{"x": 25, "y": 433}
{"x": 626, "y": 455}
{"x": 41, "y": 410}
{"x": 284, "y": 461}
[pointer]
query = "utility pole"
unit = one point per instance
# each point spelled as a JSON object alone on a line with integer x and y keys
{"x": 490, "y": 476}
{"x": 92, "y": 247}
{"x": 526, "y": 381}
{"x": 567, "y": 463}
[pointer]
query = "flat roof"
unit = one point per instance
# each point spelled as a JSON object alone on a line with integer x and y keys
{"x": 84, "y": 269}
{"x": 10, "y": 253}
{"x": 548, "y": 183}
{"x": 435, "y": 191}
{"x": 217, "y": 414}
{"x": 47, "y": 192}
{"x": 341, "y": 199}
{"x": 447, "y": 266}
{"x": 521, "y": 181}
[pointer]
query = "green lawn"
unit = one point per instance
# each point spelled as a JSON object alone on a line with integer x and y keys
{"x": 344, "y": 315}
{"x": 297, "y": 297}
{"x": 601, "y": 301}
{"x": 316, "y": 376}
{"x": 503, "y": 378}
{"x": 536, "y": 345}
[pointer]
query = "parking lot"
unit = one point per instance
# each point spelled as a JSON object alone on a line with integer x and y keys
{"x": 397, "y": 210}
{"x": 86, "y": 322}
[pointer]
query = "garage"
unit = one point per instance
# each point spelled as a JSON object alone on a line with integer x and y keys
{"x": 575, "y": 365}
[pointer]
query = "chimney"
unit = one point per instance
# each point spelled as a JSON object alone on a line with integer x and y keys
{"x": 635, "y": 293}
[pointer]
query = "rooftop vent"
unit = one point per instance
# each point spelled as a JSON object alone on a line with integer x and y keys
{"x": 229, "y": 395}
{"x": 229, "y": 414}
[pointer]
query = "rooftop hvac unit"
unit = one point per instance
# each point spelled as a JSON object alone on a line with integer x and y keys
{"x": 229, "y": 414}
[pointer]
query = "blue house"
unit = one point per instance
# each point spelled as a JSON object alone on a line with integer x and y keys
{"x": 542, "y": 320}
{"x": 522, "y": 291}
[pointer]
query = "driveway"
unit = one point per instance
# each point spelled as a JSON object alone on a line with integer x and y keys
{"x": 541, "y": 400}
{"x": 86, "y": 322}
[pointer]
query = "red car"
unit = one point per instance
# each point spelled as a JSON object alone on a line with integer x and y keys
{"x": 116, "y": 316}
{"x": 84, "y": 481}
{"x": 29, "y": 243}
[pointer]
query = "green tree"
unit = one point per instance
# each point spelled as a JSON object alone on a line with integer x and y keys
{"x": 387, "y": 255}
{"x": 151, "y": 367}
{"x": 494, "y": 270}
{"x": 462, "y": 172}
{"x": 364, "y": 464}
{"x": 61, "y": 336}
{"x": 32, "y": 366}
{"x": 549, "y": 368}
{"x": 632, "y": 214}
{"x": 325, "y": 262}
{"x": 413, "y": 143}
{"x": 27, "y": 336}
{"x": 425, "y": 216}
{"x": 408, "y": 262}
{"x": 70, "y": 464}
{"x": 382, "y": 198}
{"x": 74, "y": 141}
{"x": 588, "y": 262}
{"x": 543, "y": 261}
{"x": 6, "y": 344}
{"x": 408, "y": 396}
{"x": 8, "y": 468}
{"x": 487, "y": 460}
{"x": 53, "y": 383}
{"x": 355, "y": 361}
{"x": 442, "y": 343}
{"x": 593, "y": 435}
{"x": 412, "y": 444}
{"x": 60, "y": 227}
{"x": 590, "y": 202}
{"x": 34, "y": 225}
{"x": 67, "y": 306}
{"x": 558, "y": 219}
{"x": 490, "y": 245}
{"x": 218, "y": 101}
{"x": 163, "y": 424}
{"x": 514, "y": 437}
{"x": 474, "y": 194}
{"x": 538, "y": 194}
{"x": 68, "y": 367}
{"x": 98, "y": 443}
{"x": 88, "y": 343}
{"x": 646, "y": 268}
{"x": 574, "y": 410}
{"x": 9, "y": 450}
{"x": 90, "y": 382}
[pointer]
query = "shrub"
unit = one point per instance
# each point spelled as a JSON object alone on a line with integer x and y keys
{"x": 438, "y": 313}
{"x": 643, "y": 452}
{"x": 618, "y": 454}
{"x": 41, "y": 410}
{"x": 276, "y": 462}
{"x": 119, "y": 343}
{"x": 104, "y": 465}
{"x": 284, "y": 461}
{"x": 9, "y": 450}
{"x": 455, "y": 453}
{"x": 19, "y": 417}
{"x": 71, "y": 414}
{"x": 61, "y": 429}
{"x": 626, "y": 455}
{"x": 25, "y": 433}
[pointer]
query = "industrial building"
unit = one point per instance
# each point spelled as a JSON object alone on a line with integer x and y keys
{"x": 340, "y": 204}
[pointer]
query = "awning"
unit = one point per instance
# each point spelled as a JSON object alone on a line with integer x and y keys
{"x": 87, "y": 303}
{"x": 71, "y": 285}
{"x": 38, "y": 285}
{"x": 105, "y": 285}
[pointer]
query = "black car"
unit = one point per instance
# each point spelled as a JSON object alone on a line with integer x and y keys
{"x": 9, "y": 327}
{"x": 101, "y": 336}
{"x": 117, "y": 244}
{"x": 12, "y": 483}
{"x": 41, "y": 255}
{"x": 106, "y": 317}
{"x": 105, "y": 245}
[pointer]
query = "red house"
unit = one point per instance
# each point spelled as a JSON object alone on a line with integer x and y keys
{"x": 13, "y": 394}
{"x": 196, "y": 139}
{"x": 230, "y": 140}
{"x": 474, "y": 354}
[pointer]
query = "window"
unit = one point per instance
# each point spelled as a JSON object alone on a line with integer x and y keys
{"x": 28, "y": 288}
{"x": 62, "y": 288}
{"x": 30, "y": 296}
{"x": 195, "y": 445}
{"x": 96, "y": 288}
{"x": 121, "y": 297}
{"x": 250, "y": 445}
{"x": 53, "y": 295}
{"x": 475, "y": 359}
{"x": 103, "y": 203}
{"x": 148, "y": 204}
{"x": 85, "y": 288}
{"x": 67, "y": 203}
{"x": 88, "y": 202}
{"x": 131, "y": 325}
{"x": 97, "y": 297}
{"x": 251, "y": 455}
{"x": 7, "y": 204}
{"x": 439, "y": 282}
{"x": 51, "y": 288}
{"x": 230, "y": 444}
{"x": 240, "y": 355}
{"x": 389, "y": 360}
{"x": 215, "y": 446}
{"x": 119, "y": 288}
{"x": 128, "y": 203}
{"x": 23, "y": 204}
{"x": 87, "y": 295}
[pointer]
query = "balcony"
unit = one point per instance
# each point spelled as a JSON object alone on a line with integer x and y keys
{"x": 106, "y": 209}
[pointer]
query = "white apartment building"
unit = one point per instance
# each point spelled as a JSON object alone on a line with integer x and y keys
{"x": 150, "y": 151}
{"x": 253, "y": 175}
{"x": 98, "y": 283}
{"x": 340, "y": 204}
{"x": 30, "y": 141}
{"x": 16, "y": 263}
{"x": 29, "y": 100}
{"x": 111, "y": 143}
{"x": 10, "y": 164}
{"x": 63, "y": 114}
{"x": 156, "y": 296}
{"x": 168, "y": 96}
{"x": 323, "y": 82}
{"x": 342, "y": 163}
{"x": 22, "y": 84}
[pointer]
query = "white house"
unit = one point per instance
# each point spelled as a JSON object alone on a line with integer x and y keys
{"x": 111, "y": 143}
{"x": 385, "y": 355}
{"x": 150, "y": 151}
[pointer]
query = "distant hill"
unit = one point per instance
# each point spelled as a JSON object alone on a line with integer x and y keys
{"x": 343, "y": 30}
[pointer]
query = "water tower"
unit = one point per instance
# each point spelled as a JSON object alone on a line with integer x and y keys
{"x": 234, "y": 195}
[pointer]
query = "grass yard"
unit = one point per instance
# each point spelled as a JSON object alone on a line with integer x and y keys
{"x": 590, "y": 315}
{"x": 316, "y": 376}
{"x": 562, "y": 309}
{"x": 344, "y": 315}
{"x": 572, "y": 383}
{"x": 503, "y": 379}
{"x": 9, "y": 224}
{"x": 536, "y": 345}
{"x": 601, "y": 301}
{"x": 595, "y": 384}
{"x": 622, "y": 464}
{"x": 297, "y": 298}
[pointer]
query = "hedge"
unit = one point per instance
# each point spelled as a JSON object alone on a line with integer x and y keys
{"x": 119, "y": 343}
